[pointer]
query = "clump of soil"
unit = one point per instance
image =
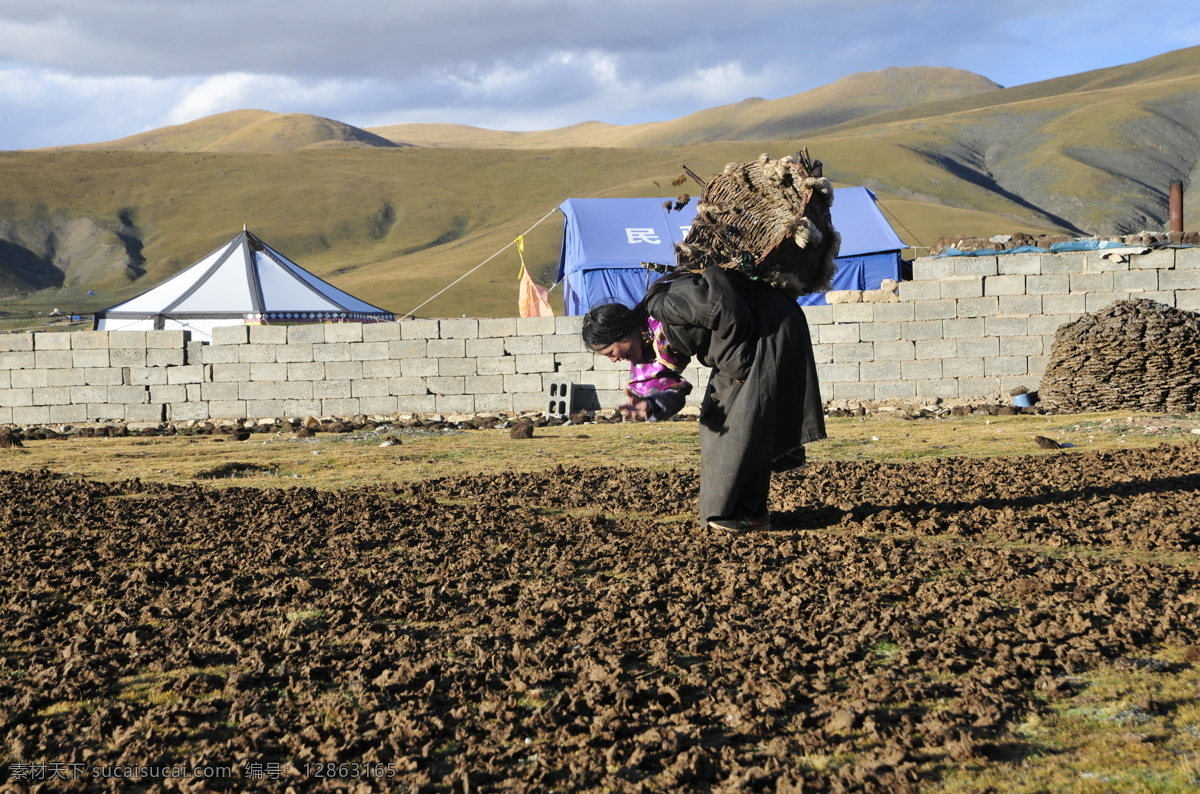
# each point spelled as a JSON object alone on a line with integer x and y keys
{"x": 521, "y": 429}
{"x": 1133, "y": 355}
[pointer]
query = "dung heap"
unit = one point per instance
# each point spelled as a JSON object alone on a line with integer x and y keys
{"x": 769, "y": 219}
{"x": 1133, "y": 355}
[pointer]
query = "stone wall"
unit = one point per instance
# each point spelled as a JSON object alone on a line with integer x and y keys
{"x": 975, "y": 327}
{"x": 346, "y": 369}
{"x": 964, "y": 327}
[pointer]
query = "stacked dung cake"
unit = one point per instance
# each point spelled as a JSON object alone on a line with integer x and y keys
{"x": 1133, "y": 355}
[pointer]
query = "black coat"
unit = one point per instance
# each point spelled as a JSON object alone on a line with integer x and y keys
{"x": 763, "y": 401}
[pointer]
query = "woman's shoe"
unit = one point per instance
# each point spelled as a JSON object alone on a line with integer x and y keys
{"x": 739, "y": 526}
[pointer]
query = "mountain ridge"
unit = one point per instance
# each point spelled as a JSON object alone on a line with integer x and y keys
{"x": 862, "y": 93}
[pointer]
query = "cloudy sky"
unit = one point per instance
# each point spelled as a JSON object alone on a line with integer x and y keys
{"x": 81, "y": 71}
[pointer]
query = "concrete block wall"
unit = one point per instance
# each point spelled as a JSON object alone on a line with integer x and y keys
{"x": 976, "y": 327}
{"x": 468, "y": 365}
{"x": 416, "y": 366}
{"x": 85, "y": 376}
{"x": 964, "y": 327}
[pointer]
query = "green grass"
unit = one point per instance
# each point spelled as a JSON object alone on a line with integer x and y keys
{"x": 332, "y": 461}
{"x": 1102, "y": 738}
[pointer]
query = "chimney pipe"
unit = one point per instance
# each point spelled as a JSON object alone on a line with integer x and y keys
{"x": 1176, "y": 206}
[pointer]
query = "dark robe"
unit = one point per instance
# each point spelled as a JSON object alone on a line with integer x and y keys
{"x": 763, "y": 402}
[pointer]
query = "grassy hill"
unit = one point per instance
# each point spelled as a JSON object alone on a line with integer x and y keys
{"x": 396, "y": 223}
{"x": 245, "y": 131}
{"x": 393, "y": 225}
{"x": 1096, "y": 151}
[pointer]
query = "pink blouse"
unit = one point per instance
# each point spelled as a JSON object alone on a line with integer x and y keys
{"x": 658, "y": 374}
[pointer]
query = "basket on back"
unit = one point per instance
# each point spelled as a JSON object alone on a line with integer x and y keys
{"x": 769, "y": 219}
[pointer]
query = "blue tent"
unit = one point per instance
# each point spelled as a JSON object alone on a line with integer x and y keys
{"x": 605, "y": 242}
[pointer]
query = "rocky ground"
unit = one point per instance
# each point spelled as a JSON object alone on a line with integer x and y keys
{"x": 574, "y": 630}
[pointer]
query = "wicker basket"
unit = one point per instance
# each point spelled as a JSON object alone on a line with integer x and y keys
{"x": 769, "y": 219}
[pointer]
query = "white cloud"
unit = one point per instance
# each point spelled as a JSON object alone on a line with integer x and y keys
{"x": 44, "y": 107}
{"x": 716, "y": 84}
{"x": 233, "y": 91}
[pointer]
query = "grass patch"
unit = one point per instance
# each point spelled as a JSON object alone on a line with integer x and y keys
{"x": 308, "y": 617}
{"x": 156, "y": 687}
{"x": 1127, "y": 730}
{"x": 67, "y": 707}
{"x": 329, "y": 463}
{"x": 824, "y": 762}
{"x": 884, "y": 651}
{"x": 235, "y": 470}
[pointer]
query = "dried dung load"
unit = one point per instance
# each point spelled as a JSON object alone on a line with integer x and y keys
{"x": 1133, "y": 355}
{"x": 769, "y": 219}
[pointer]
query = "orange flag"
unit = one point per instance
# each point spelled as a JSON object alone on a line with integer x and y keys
{"x": 531, "y": 299}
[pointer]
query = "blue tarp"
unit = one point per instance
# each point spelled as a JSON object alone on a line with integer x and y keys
{"x": 1055, "y": 248}
{"x": 605, "y": 242}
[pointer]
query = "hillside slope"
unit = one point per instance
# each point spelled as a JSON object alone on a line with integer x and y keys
{"x": 395, "y": 226}
{"x": 1095, "y": 151}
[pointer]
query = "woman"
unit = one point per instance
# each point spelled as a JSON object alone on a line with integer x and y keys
{"x": 763, "y": 402}
{"x": 656, "y": 389}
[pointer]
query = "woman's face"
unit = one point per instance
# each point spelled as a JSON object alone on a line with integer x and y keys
{"x": 627, "y": 349}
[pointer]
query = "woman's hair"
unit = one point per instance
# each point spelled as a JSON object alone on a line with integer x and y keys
{"x": 611, "y": 322}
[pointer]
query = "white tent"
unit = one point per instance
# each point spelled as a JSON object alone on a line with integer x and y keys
{"x": 243, "y": 282}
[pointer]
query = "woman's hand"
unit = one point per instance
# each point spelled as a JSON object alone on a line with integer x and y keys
{"x": 636, "y": 409}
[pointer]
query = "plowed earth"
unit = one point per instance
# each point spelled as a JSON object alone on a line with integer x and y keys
{"x": 574, "y": 630}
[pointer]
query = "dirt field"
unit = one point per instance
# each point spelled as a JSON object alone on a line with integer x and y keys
{"x": 573, "y": 630}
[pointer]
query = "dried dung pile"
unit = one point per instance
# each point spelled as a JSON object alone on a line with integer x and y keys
{"x": 547, "y": 631}
{"x": 1136, "y": 355}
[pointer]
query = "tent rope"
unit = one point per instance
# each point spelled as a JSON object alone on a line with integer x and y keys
{"x": 481, "y": 264}
{"x": 902, "y": 226}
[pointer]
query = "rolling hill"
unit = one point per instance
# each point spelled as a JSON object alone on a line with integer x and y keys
{"x": 245, "y": 131}
{"x": 395, "y": 214}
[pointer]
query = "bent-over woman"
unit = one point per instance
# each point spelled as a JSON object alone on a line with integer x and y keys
{"x": 763, "y": 402}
